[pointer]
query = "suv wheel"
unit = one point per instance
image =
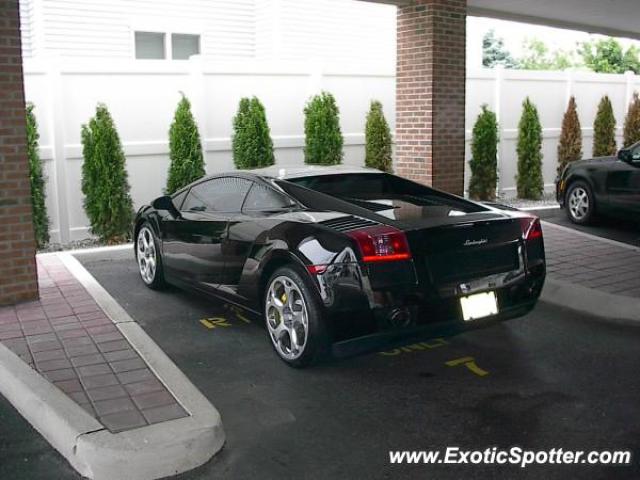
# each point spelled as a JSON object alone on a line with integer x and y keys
{"x": 579, "y": 203}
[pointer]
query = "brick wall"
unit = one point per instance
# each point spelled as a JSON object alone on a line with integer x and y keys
{"x": 430, "y": 93}
{"x": 18, "y": 280}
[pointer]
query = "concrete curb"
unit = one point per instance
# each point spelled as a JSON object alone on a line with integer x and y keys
{"x": 145, "y": 453}
{"x": 52, "y": 413}
{"x": 605, "y": 306}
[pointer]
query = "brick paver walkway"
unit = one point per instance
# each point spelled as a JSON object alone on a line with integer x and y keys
{"x": 591, "y": 262}
{"x": 67, "y": 338}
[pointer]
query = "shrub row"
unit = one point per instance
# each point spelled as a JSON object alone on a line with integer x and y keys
{"x": 104, "y": 177}
{"x": 529, "y": 179}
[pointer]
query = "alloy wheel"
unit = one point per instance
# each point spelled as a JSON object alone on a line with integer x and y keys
{"x": 287, "y": 317}
{"x": 579, "y": 203}
{"x": 147, "y": 260}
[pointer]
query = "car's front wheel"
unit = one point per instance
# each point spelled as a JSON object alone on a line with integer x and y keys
{"x": 580, "y": 204}
{"x": 149, "y": 259}
{"x": 293, "y": 316}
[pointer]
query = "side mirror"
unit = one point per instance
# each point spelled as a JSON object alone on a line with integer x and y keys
{"x": 625, "y": 155}
{"x": 166, "y": 203}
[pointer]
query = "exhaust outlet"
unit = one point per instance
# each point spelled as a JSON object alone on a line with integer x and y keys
{"x": 400, "y": 317}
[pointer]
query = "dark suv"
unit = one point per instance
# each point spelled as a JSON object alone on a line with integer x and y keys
{"x": 605, "y": 185}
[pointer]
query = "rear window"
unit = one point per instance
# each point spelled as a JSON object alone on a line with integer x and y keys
{"x": 264, "y": 198}
{"x": 379, "y": 192}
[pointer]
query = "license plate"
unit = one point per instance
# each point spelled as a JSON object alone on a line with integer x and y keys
{"x": 478, "y": 305}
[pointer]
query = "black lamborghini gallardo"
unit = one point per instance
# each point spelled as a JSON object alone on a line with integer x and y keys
{"x": 340, "y": 260}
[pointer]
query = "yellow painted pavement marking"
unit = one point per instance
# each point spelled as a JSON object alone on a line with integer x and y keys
{"x": 416, "y": 347}
{"x": 215, "y": 322}
{"x": 470, "y": 363}
{"x": 239, "y": 315}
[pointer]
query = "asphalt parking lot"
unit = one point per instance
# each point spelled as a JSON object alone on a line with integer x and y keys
{"x": 550, "y": 379}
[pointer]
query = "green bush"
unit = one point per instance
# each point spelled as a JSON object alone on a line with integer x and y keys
{"x": 251, "y": 143}
{"x": 323, "y": 138}
{"x": 185, "y": 150}
{"x": 604, "y": 130}
{"x": 484, "y": 156}
{"x": 632, "y": 122}
{"x": 570, "y": 144}
{"x": 377, "y": 139}
{"x": 104, "y": 179}
{"x": 39, "y": 209}
{"x": 529, "y": 179}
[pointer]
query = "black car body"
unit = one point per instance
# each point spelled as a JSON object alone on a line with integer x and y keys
{"x": 605, "y": 185}
{"x": 388, "y": 259}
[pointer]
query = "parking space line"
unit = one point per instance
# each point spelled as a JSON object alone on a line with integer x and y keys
{"x": 416, "y": 347}
{"x": 468, "y": 362}
{"x": 239, "y": 315}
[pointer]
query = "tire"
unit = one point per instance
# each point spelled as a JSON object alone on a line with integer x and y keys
{"x": 579, "y": 203}
{"x": 288, "y": 299}
{"x": 149, "y": 258}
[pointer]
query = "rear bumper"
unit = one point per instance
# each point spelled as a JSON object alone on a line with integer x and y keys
{"x": 370, "y": 329}
{"x": 395, "y": 338}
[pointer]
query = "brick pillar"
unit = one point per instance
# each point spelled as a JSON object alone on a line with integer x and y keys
{"x": 430, "y": 93}
{"x": 18, "y": 279}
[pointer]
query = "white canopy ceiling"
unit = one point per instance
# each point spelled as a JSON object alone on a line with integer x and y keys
{"x": 620, "y": 18}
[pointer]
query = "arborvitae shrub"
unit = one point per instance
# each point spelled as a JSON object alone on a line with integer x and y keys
{"x": 104, "y": 179}
{"x": 377, "y": 139}
{"x": 604, "y": 130}
{"x": 38, "y": 195}
{"x": 570, "y": 144}
{"x": 529, "y": 179}
{"x": 484, "y": 156}
{"x": 185, "y": 150}
{"x": 632, "y": 122}
{"x": 252, "y": 145}
{"x": 323, "y": 138}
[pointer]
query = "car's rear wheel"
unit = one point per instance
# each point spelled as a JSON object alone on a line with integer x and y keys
{"x": 149, "y": 258}
{"x": 293, "y": 316}
{"x": 579, "y": 203}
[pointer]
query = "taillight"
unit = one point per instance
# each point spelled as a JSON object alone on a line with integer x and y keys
{"x": 531, "y": 228}
{"x": 316, "y": 269}
{"x": 381, "y": 244}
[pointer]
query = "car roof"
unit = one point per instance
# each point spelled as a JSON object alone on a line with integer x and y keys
{"x": 295, "y": 171}
{"x": 284, "y": 173}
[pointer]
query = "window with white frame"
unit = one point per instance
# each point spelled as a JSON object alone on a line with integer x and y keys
{"x": 184, "y": 45}
{"x": 150, "y": 45}
{"x": 161, "y": 46}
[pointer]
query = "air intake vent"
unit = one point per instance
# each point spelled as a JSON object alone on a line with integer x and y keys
{"x": 349, "y": 223}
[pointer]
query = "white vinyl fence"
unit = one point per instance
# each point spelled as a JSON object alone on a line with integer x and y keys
{"x": 142, "y": 98}
{"x": 504, "y": 91}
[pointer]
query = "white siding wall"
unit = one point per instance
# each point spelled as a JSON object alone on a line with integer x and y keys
{"x": 309, "y": 30}
{"x": 104, "y": 28}
{"x": 349, "y": 31}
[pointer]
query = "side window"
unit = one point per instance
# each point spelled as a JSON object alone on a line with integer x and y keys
{"x": 224, "y": 194}
{"x": 193, "y": 202}
{"x": 178, "y": 198}
{"x": 262, "y": 198}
